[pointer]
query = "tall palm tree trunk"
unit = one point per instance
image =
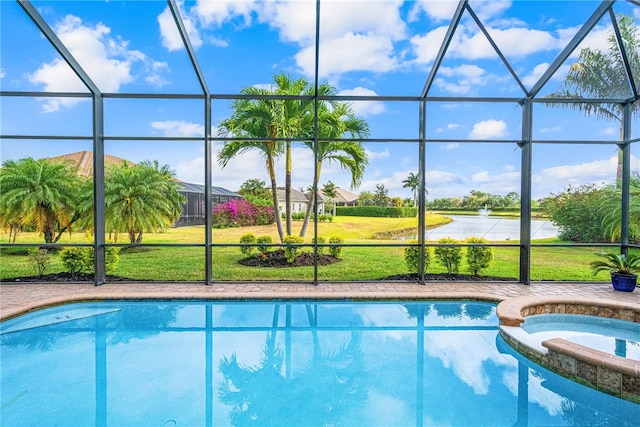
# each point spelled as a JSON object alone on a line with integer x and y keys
{"x": 274, "y": 193}
{"x": 312, "y": 199}
{"x": 287, "y": 188}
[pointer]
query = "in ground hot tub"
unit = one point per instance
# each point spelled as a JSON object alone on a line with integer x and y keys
{"x": 591, "y": 341}
{"x": 617, "y": 337}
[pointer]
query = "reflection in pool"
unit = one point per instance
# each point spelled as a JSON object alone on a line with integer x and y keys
{"x": 282, "y": 363}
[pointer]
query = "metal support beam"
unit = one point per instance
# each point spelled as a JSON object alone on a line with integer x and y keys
{"x": 625, "y": 147}
{"x": 58, "y": 45}
{"x": 316, "y": 104}
{"x": 422, "y": 172}
{"x": 99, "y": 230}
{"x": 100, "y": 276}
{"x": 623, "y": 53}
{"x": 175, "y": 11}
{"x": 525, "y": 194}
{"x": 573, "y": 44}
{"x": 208, "y": 258}
{"x": 497, "y": 50}
{"x": 444, "y": 46}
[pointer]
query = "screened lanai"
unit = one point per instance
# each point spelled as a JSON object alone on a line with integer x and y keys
{"x": 534, "y": 100}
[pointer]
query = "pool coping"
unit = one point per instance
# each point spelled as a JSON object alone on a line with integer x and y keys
{"x": 602, "y": 371}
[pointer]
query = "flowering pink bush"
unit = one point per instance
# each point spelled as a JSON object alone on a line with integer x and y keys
{"x": 241, "y": 213}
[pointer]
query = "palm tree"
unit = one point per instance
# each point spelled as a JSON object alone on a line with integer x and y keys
{"x": 291, "y": 115}
{"x": 334, "y": 121}
{"x": 39, "y": 192}
{"x": 141, "y": 197}
{"x": 254, "y": 118}
{"x": 611, "y": 221}
{"x": 412, "y": 182}
{"x": 602, "y": 74}
{"x": 277, "y": 122}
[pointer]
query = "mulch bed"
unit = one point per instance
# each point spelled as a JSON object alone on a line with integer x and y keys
{"x": 432, "y": 277}
{"x": 277, "y": 259}
{"x": 66, "y": 277}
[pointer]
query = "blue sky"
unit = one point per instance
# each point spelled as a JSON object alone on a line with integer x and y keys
{"x": 380, "y": 47}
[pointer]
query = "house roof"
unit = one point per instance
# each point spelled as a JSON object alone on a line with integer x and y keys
{"x": 296, "y": 195}
{"x": 188, "y": 187}
{"x": 82, "y": 161}
{"x": 342, "y": 196}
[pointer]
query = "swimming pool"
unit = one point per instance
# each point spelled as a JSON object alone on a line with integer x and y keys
{"x": 281, "y": 363}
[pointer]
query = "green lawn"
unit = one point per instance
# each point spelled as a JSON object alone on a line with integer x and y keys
{"x": 358, "y": 263}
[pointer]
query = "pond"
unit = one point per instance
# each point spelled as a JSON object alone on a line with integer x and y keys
{"x": 489, "y": 227}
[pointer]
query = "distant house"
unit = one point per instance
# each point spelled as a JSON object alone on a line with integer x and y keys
{"x": 343, "y": 197}
{"x": 299, "y": 201}
{"x": 193, "y": 210}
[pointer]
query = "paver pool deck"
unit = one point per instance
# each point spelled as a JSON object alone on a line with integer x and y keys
{"x": 20, "y": 298}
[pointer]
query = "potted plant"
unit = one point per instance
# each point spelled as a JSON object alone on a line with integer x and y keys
{"x": 623, "y": 269}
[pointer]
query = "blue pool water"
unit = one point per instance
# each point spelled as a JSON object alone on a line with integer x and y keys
{"x": 282, "y": 364}
{"x": 612, "y": 336}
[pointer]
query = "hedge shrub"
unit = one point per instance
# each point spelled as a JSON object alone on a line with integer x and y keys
{"x": 449, "y": 256}
{"x": 291, "y": 251}
{"x": 249, "y": 239}
{"x": 478, "y": 257}
{"x": 321, "y": 241}
{"x": 412, "y": 257}
{"x": 376, "y": 211}
{"x": 262, "y": 243}
{"x": 336, "y": 250}
{"x": 77, "y": 260}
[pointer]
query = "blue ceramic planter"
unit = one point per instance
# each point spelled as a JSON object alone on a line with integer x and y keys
{"x": 624, "y": 282}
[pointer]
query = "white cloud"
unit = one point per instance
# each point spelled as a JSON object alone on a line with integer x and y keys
{"x": 426, "y": 47}
{"x": 467, "y": 78}
{"x": 350, "y": 52}
{"x": 359, "y": 35}
{"x": 489, "y": 129}
{"x": 450, "y": 126}
{"x": 501, "y": 183}
{"x": 471, "y": 44}
{"x": 375, "y": 155}
{"x": 551, "y": 129}
{"x": 436, "y": 10}
{"x": 169, "y": 34}
{"x": 537, "y": 72}
{"x": 609, "y": 131}
{"x": 107, "y": 60}
{"x": 2, "y": 73}
{"x": 486, "y": 9}
{"x": 557, "y": 178}
{"x": 179, "y": 128}
{"x": 364, "y": 108}
{"x": 436, "y": 178}
{"x": 442, "y": 10}
{"x": 220, "y": 11}
{"x": 192, "y": 171}
{"x": 451, "y": 146}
